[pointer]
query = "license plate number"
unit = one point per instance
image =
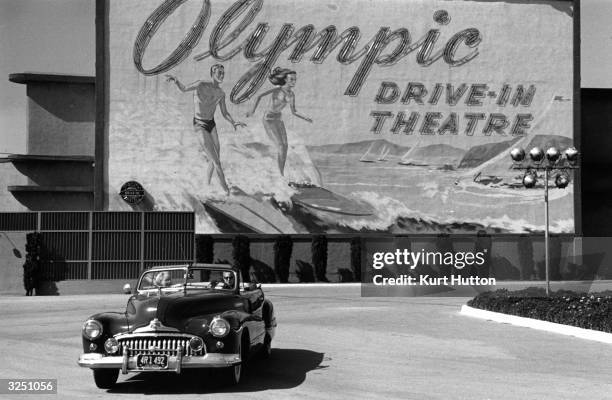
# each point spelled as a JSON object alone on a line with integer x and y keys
{"x": 152, "y": 361}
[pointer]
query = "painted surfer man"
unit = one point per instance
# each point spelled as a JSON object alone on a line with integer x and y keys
{"x": 206, "y": 97}
{"x": 281, "y": 95}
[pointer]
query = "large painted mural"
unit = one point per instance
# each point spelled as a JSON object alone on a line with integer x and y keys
{"x": 297, "y": 116}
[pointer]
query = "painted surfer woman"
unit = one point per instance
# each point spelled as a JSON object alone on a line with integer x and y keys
{"x": 281, "y": 95}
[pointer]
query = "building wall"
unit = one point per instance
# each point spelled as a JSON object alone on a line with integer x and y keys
{"x": 596, "y": 150}
{"x": 596, "y": 43}
{"x": 48, "y": 36}
{"x": 61, "y": 118}
{"x": 9, "y": 175}
{"x": 11, "y": 267}
{"x": 359, "y": 124}
{"x": 58, "y": 166}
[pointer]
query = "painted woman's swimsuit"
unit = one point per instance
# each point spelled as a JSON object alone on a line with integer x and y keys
{"x": 271, "y": 115}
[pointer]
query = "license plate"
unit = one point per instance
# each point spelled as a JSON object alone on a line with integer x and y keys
{"x": 152, "y": 361}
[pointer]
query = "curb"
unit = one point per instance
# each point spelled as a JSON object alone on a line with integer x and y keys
{"x": 588, "y": 334}
{"x": 68, "y": 288}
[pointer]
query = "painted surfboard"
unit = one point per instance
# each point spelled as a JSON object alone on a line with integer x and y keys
{"x": 322, "y": 199}
{"x": 258, "y": 216}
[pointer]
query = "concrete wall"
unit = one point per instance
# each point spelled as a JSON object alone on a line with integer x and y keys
{"x": 61, "y": 118}
{"x": 55, "y": 201}
{"x": 11, "y": 267}
{"x": 60, "y": 122}
{"x": 9, "y": 176}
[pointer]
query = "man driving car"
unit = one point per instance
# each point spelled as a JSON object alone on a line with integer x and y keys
{"x": 229, "y": 280}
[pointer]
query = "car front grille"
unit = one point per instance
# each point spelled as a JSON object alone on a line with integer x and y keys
{"x": 158, "y": 344}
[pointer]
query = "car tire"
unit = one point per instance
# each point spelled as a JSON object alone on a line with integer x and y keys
{"x": 266, "y": 350}
{"x": 105, "y": 378}
{"x": 234, "y": 374}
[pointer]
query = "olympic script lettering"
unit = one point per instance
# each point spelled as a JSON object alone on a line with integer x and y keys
{"x": 375, "y": 52}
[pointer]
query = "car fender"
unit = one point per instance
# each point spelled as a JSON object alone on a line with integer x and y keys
{"x": 112, "y": 323}
{"x": 269, "y": 318}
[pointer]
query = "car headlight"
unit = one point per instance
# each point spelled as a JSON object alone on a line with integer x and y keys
{"x": 92, "y": 329}
{"x": 219, "y": 327}
{"x": 111, "y": 345}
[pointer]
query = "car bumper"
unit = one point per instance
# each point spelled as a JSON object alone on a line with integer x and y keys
{"x": 175, "y": 363}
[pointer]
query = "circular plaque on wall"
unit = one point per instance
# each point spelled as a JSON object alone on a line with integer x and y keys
{"x": 132, "y": 192}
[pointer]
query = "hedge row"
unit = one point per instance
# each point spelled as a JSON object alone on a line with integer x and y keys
{"x": 283, "y": 246}
{"x": 590, "y": 311}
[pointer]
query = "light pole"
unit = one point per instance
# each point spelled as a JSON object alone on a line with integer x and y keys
{"x": 551, "y": 161}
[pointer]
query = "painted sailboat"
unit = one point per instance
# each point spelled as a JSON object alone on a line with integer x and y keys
{"x": 407, "y": 160}
{"x": 384, "y": 153}
{"x": 367, "y": 156}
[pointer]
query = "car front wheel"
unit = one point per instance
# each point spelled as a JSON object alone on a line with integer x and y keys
{"x": 266, "y": 350}
{"x": 234, "y": 374}
{"x": 105, "y": 378}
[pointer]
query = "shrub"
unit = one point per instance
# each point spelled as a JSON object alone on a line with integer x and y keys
{"x": 555, "y": 258}
{"x": 356, "y": 257}
{"x": 319, "y": 257}
{"x": 590, "y": 311}
{"x": 304, "y": 272}
{"x": 283, "y": 247}
{"x": 205, "y": 249}
{"x": 31, "y": 267}
{"x": 241, "y": 253}
{"x": 261, "y": 272}
{"x": 444, "y": 244}
{"x": 345, "y": 275}
{"x": 525, "y": 250}
{"x": 483, "y": 244}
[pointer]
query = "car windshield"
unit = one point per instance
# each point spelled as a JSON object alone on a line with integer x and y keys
{"x": 173, "y": 279}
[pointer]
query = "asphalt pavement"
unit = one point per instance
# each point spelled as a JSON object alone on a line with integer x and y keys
{"x": 330, "y": 344}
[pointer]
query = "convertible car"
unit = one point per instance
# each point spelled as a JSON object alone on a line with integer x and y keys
{"x": 187, "y": 316}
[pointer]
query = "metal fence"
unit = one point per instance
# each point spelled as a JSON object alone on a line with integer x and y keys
{"x": 106, "y": 245}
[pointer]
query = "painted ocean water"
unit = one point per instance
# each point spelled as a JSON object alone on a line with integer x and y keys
{"x": 442, "y": 197}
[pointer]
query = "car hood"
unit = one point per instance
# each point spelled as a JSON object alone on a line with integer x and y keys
{"x": 178, "y": 310}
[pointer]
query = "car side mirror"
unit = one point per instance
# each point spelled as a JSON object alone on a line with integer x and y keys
{"x": 127, "y": 288}
{"x": 253, "y": 286}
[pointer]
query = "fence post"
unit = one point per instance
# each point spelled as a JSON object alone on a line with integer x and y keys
{"x": 142, "y": 240}
{"x": 89, "y": 244}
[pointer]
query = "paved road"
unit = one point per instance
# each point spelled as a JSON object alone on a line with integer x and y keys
{"x": 331, "y": 344}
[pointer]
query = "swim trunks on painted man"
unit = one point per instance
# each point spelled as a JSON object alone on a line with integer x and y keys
{"x": 207, "y": 124}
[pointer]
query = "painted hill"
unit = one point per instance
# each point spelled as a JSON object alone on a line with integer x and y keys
{"x": 502, "y": 167}
{"x": 546, "y": 141}
{"x": 484, "y": 152}
{"x": 360, "y": 147}
{"x": 435, "y": 154}
{"x": 438, "y": 150}
{"x": 424, "y": 152}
